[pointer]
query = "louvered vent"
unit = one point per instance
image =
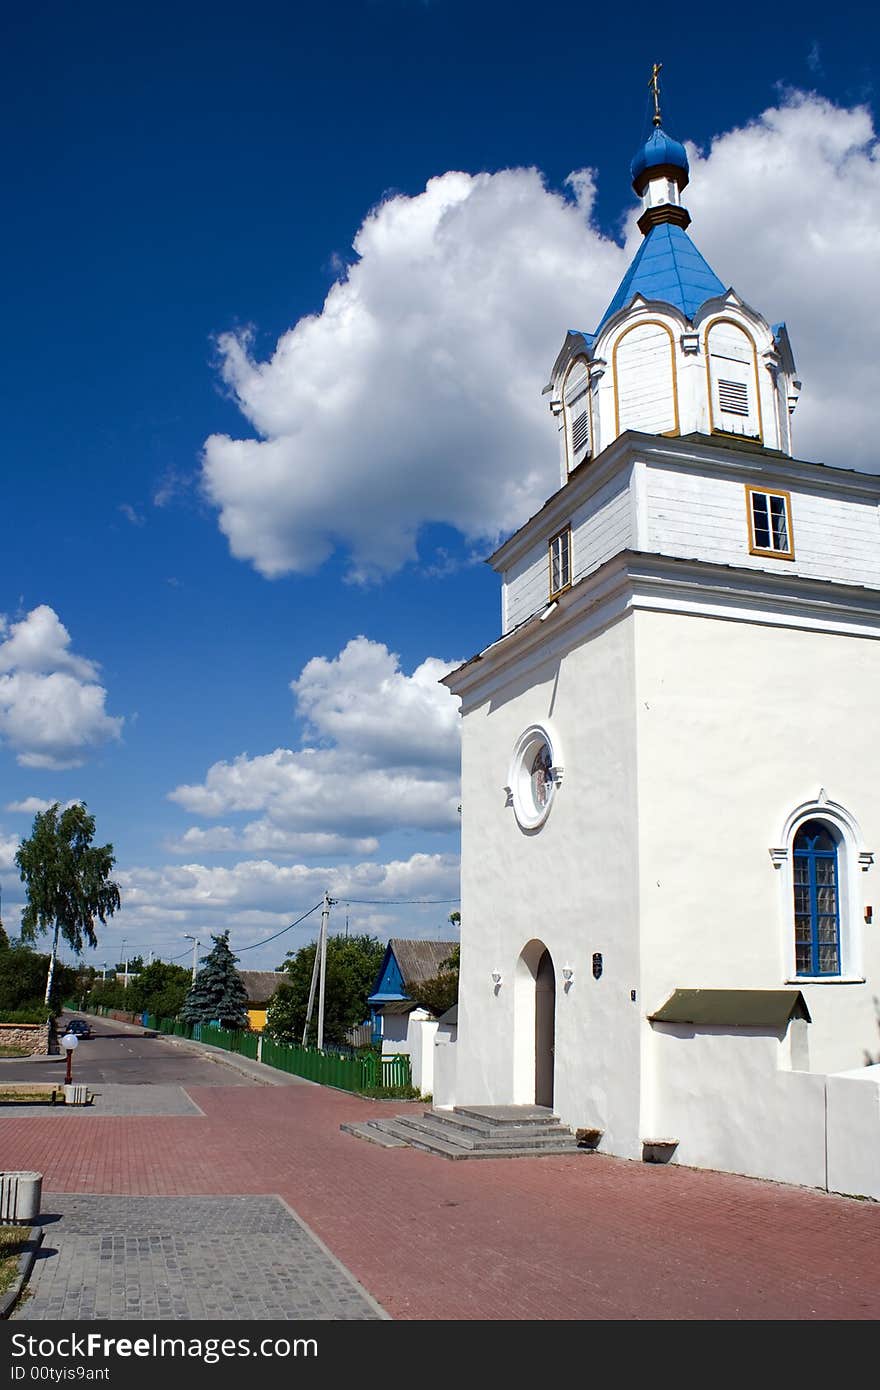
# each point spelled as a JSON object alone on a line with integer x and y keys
{"x": 580, "y": 431}
{"x": 733, "y": 397}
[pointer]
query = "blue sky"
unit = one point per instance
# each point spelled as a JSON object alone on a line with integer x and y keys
{"x": 215, "y": 482}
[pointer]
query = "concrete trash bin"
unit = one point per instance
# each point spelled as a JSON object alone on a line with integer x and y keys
{"x": 20, "y": 1195}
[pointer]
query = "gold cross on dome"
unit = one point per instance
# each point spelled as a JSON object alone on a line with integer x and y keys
{"x": 654, "y": 84}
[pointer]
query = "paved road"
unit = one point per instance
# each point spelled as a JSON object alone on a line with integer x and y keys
{"x": 120, "y": 1054}
{"x": 545, "y": 1238}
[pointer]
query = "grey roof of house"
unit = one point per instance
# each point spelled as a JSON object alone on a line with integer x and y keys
{"x": 420, "y": 960}
{"x": 399, "y": 1006}
{"x": 733, "y": 1008}
{"x": 261, "y": 984}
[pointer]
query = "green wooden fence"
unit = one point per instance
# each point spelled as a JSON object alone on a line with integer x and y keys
{"x": 367, "y": 1073}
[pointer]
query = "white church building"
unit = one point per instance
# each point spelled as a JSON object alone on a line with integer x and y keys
{"x": 670, "y": 768}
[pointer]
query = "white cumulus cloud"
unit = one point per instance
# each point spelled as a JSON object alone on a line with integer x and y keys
{"x": 381, "y": 753}
{"x": 256, "y": 898}
{"x": 365, "y": 703}
{"x": 415, "y": 395}
{"x": 786, "y": 210}
{"x": 8, "y": 847}
{"x": 261, "y": 837}
{"x": 52, "y": 707}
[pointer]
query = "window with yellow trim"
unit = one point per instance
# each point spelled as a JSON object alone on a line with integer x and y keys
{"x": 560, "y": 561}
{"x": 769, "y": 516}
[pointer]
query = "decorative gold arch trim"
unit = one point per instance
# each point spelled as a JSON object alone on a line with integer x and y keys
{"x": 647, "y": 323}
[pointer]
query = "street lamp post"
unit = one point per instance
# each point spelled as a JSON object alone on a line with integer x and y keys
{"x": 196, "y": 944}
{"x": 70, "y": 1042}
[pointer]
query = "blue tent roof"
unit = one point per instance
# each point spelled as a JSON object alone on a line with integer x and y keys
{"x": 667, "y": 267}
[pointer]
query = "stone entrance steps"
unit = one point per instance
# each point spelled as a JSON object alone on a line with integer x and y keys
{"x": 474, "y": 1131}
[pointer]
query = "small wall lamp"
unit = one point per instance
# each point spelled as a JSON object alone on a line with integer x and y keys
{"x": 496, "y": 977}
{"x": 567, "y": 973}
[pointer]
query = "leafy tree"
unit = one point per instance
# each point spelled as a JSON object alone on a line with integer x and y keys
{"x": 67, "y": 880}
{"x": 440, "y": 992}
{"x": 217, "y": 994}
{"x": 352, "y": 965}
{"x": 159, "y": 989}
{"x": 4, "y": 939}
{"x": 111, "y": 993}
{"x": 23, "y": 980}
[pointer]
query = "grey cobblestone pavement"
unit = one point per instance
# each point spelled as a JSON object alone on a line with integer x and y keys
{"x": 112, "y": 1099}
{"x": 182, "y": 1258}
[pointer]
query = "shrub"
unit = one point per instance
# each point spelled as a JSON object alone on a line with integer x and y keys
{"x": 36, "y": 1012}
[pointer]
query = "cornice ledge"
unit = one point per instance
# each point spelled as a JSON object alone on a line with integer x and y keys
{"x": 544, "y": 630}
{"x": 682, "y": 572}
{"x": 742, "y": 460}
{"x": 582, "y": 483}
{"x": 632, "y": 578}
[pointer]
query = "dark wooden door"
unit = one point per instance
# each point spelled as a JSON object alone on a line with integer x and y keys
{"x": 545, "y": 1030}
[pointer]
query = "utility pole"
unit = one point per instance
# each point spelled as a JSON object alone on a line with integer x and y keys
{"x": 319, "y": 969}
{"x": 325, "y": 917}
{"x": 124, "y": 965}
{"x": 196, "y": 944}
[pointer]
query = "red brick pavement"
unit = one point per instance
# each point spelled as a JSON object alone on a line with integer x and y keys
{"x": 548, "y": 1238}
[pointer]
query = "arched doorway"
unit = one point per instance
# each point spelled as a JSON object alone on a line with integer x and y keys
{"x": 534, "y": 1038}
{"x": 545, "y": 1030}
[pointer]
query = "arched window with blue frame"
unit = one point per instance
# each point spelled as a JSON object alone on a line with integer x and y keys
{"x": 816, "y": 901}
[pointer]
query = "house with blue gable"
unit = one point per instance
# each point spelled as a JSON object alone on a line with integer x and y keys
{"x": 392, "y": 1006}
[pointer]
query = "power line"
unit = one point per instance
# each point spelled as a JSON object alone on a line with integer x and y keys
{"x": 399, "y": 902}
{"x": 255, "y": 944}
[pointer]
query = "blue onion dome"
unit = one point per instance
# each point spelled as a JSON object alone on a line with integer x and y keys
{"x": 660, "y": 150}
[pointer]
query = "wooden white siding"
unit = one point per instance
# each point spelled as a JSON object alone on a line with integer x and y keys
{"x": 644, "y": 377}
{"x": 600, "y": 527}
{"x": 704, "y": 518}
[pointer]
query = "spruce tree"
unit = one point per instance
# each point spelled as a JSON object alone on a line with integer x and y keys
{"x": 217, "y": 994}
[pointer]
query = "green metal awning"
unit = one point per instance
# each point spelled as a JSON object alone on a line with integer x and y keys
{"x": 733, "y": 1008}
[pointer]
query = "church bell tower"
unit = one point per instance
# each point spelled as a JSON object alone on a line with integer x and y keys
{"x": 676, "y": 352}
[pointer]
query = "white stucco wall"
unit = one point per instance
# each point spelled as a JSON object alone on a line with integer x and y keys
{"x": 420, "y": 1046}
{"x": 854, "y": 1133}
{"x": 739, "y": 724}
{"x": 445, "y": 1072}
{"x": 691, "y": 742}
{"x": 571, "y": 885}
{"x": 729, "y": 1100}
